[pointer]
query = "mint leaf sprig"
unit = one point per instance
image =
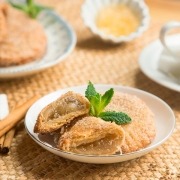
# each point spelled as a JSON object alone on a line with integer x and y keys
{"x": 29, "y": 7}
{"x": 117, "y": 117}
{"x": 98, "y": 103}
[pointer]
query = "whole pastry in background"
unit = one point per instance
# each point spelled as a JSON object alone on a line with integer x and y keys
{"x": 22, "y": 40}
{"x": 3, "y": 21}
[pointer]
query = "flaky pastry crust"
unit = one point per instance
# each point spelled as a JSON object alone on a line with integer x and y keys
{"x": 60, "y": 112}
{"x": 94, "y": 136}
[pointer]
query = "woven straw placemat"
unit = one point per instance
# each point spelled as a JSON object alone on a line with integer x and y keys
{"x": 101, "y": 63}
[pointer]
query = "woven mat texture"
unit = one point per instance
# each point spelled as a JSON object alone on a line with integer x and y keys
{"x": 101, "y": 63}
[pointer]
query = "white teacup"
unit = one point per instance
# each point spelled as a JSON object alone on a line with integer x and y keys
{"x": 169, "y": 61}
{"x": 174, "y": 49}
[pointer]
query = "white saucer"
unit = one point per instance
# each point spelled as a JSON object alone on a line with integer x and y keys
{"x": 164, "y": 120}
{"x": 149, "y": 62}
{"x": 61, "y": 41}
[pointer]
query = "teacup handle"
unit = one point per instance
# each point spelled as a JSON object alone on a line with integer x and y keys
{"x": 164, "y": 30}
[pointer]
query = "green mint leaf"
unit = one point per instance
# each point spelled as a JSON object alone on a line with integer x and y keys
{"x": 30, "y": 2}
{"x": 117, "y": 117}
{"x": 106, "y": 98}
{"x": 94, "y": 106}
{"x": 98, "y": 102}
{"x": 90, "y": 91}
{"x": 94, "y": 99}
{"x": 29, "y": 7}
{"x": 36, "y": 9}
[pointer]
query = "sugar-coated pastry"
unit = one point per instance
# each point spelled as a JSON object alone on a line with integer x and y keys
{"x": 141, "y": 131}
{"x": 93, "y": 136}
{"x": 22, "y": 39}
{"x": 62, "y": 111}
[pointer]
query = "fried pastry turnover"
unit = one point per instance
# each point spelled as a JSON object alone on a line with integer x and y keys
{"x": 22, "y": 39}
{"x": 141, "y": 131}
{"x": 94, "y": 136}
{"x": 61, "y": 112}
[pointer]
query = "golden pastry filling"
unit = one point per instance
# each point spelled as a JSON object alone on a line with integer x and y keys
{"x": 107, "y": 145}
{"x": 60, "y": 112}
{"x": 92, "y": 135}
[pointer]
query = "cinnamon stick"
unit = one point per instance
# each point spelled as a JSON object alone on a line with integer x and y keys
{"x": 2, "y": 141}
{"x": 7, "y": 141}
{"x": 5, "y": 130}
{"x": 3, "y": 113}
{"x": 15, "y": 116}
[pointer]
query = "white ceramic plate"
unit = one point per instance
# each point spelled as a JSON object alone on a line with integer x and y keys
{"x": 61, "y": 41}
{"x": 149, "y": 62}
{"x": 164, "y": 119}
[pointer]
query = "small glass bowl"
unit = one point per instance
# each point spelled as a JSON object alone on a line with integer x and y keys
{"x": 90, "y": 8}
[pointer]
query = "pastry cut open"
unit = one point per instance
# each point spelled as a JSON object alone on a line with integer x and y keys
{"x": 93, "y": 136}
{"x": 61, "y": 112}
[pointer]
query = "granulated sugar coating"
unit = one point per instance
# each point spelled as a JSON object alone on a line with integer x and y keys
{"x": 93, "y": 136}
{"x": 60, "y": 112}
{"x": 141, "y": 131}
{"x": 25, "y": 40}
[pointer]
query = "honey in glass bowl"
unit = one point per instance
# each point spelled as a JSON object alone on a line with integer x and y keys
{"x": 117, "y": 20}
